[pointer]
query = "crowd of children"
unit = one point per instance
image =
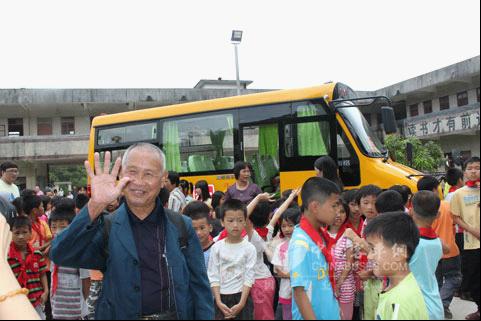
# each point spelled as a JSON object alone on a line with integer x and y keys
{"x": 350, "y": 255}
{"x": 56, "y": 292}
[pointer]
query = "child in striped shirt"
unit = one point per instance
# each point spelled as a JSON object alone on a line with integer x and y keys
{"x": 70, "y": 286}
{"x": 343, "y": 254}
{"x": 28, "y": 265}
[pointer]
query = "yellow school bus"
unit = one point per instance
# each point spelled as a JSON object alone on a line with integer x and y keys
{"x": 280, "y": 133}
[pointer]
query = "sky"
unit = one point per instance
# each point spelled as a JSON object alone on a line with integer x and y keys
{"x": 367, "y": 44}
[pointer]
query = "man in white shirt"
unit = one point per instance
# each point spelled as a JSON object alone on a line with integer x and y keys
{"x": 9, "y": 174}
{"x": 177, "y": 200}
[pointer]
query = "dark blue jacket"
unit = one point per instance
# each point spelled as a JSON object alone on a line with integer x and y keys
{"x": 81, "y": 246}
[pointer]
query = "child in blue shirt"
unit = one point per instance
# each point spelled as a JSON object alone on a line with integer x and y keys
{"x": 201, "y": 222}
{"x": 310, "y": 260}
{"x": 428, "y": 253}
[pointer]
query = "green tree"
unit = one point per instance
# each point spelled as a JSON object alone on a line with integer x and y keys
{"x": 75, "y": 174}
{"x": 427, "y": 156}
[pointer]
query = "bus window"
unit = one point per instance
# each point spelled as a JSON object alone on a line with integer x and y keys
{"x": 308, "y": 109}
{"x": 348, "y": 162}
{"x": 114, "y": 155}
{"x": 309, "y": 139}
{"x": 264, "y": 114}
{"x": 199, "y": 144}
{"x": 126, "y": 134}
{"x": 261, "y": 150}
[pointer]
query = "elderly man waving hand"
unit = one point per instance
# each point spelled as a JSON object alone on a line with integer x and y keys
{"x": 148, "y": 273}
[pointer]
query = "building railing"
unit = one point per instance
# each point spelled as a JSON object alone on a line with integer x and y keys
{"x": 45, "y": 138}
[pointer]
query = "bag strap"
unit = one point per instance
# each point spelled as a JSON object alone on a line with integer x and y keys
{"x": 178, "y": 221}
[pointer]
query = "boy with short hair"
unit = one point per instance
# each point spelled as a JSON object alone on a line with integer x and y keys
{"x": 455, "y": 179}
{"x": 392, "y": 240}
{"x": 406, "y": 194}
{"x": 70, "y": 287}
{"x": 389, "y": 201}
{"x": 366, "y": 198}
{"x": 428, "y": 253}
{"x": 231, "y": 266}
{"x": 310, "y": 260}
{"x": 199, "y": 212}
{"x": 28, "y": 265}
{"x": 80, "y": 201}
{"x": 449, "y": 268}
{"x": 465, "y": 208}
{"x": 32, "y": 206}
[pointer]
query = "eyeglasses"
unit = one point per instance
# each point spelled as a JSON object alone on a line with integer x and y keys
{"x": 12, "y": 171}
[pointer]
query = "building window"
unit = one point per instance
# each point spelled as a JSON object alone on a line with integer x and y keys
{"x": 15, "y": 127}
{"x": 477, "y": 94}
{"x": 68, "y": 125}
{"x": 444, "y": 103}
{"x": 462, "y": 98}
{"x": 44, "y": 126}
{"x": 414, "y": 110}
{"x": 2, "y": 131}
{"x": 428, "y": 106}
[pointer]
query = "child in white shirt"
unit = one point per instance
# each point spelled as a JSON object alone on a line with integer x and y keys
{"x": 231, "y": 266}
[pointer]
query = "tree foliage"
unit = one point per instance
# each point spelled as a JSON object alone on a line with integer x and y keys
{"x": 427, "y": 156}
{"x": 75, "y": 174}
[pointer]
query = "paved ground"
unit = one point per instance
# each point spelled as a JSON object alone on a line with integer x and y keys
{"x": 461, "y": 309}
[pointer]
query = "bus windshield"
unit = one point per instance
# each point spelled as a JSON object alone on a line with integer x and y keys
{"x": 362, "y": 132}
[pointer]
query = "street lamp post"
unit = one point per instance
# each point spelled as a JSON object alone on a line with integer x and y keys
{"x": 236, "y": 40}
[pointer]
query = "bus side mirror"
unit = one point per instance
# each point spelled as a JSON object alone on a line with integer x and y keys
{"x": 389, "y": 120}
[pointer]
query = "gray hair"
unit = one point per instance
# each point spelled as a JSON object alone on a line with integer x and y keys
{"x": 152, "y": 148}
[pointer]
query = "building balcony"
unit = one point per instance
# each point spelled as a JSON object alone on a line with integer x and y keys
{"x": 46, "y": 148}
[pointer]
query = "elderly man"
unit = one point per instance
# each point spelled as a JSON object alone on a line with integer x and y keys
{"x": 148, "y": 274}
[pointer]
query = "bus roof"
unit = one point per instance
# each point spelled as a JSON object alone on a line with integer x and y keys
{"x": 265, "y": 98}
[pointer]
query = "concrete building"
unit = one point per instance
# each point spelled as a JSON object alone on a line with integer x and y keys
{"x": 40, "y": 128}
{"x": 43, "y": 128}
{"x": 442, "y": 105}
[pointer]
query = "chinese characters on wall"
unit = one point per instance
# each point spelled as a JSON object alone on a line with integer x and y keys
{"x": 446, "y": 124}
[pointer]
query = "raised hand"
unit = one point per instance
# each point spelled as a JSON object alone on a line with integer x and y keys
{"x": 105, "y": 188}
{"x": 350, "y": 234}
{"x": 265, "y": 197}
{"x": 295, "y": 193}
